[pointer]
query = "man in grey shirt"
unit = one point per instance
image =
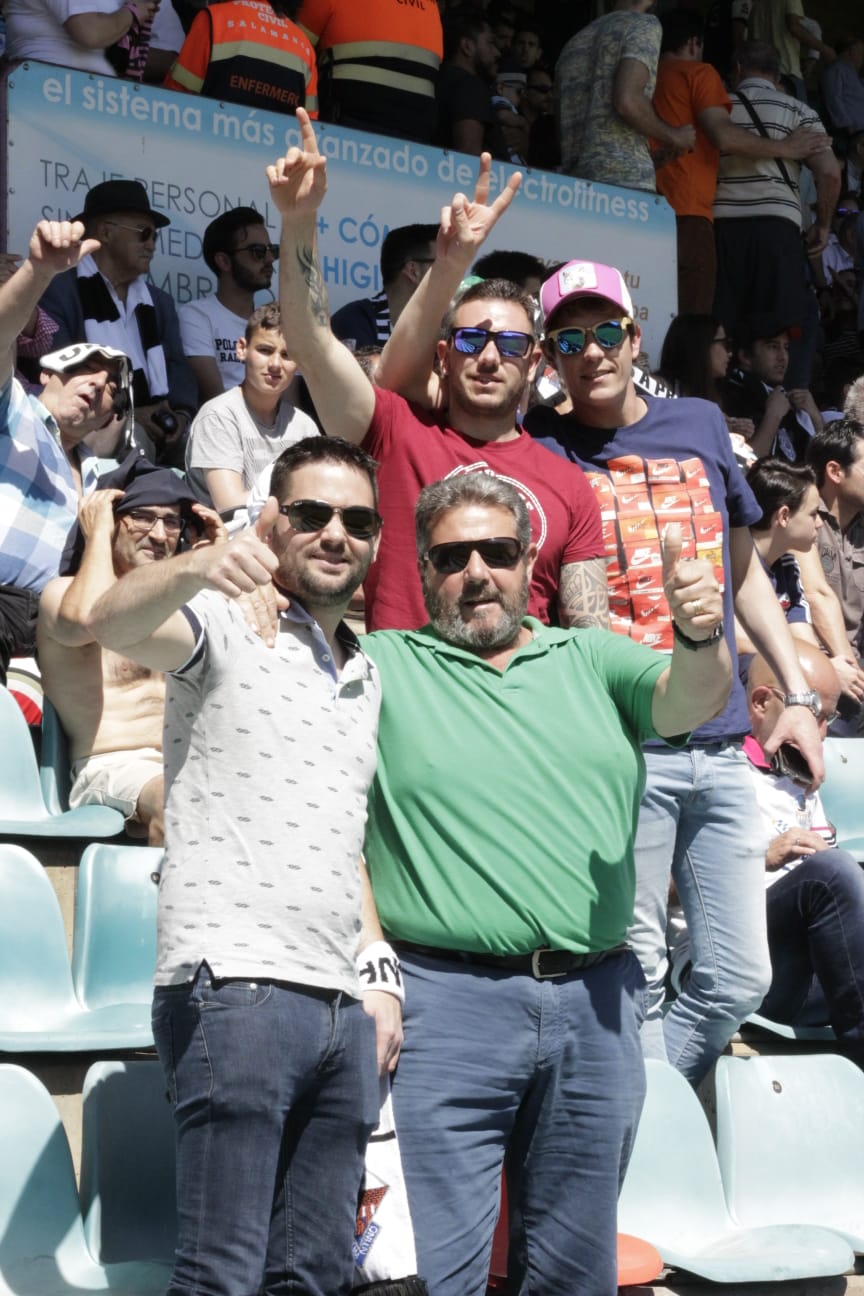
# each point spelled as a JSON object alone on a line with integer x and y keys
{"x": 239, "y": 433}
{"x": 269, "y": 752}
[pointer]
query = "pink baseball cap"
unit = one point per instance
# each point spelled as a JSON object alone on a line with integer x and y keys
{"x": 584, "y": 279}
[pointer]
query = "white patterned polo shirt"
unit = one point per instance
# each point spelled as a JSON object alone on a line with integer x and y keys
{"x": 269, "y": 754}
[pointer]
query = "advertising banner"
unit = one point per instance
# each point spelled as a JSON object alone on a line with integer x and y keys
{"x": 67, "y": 131}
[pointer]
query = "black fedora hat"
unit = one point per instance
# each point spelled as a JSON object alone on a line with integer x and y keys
{"x": 120, "y": 196}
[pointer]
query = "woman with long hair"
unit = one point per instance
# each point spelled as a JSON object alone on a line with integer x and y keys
{"x": 695, "y": 356}
{"x": 694, "y": 360}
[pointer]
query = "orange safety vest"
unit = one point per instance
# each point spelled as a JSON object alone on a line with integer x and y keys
{"x": 379, "y": 61}
{"x": 241, "y": 52}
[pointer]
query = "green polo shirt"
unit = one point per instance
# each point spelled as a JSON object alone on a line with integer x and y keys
{"x": 503, "y": 810}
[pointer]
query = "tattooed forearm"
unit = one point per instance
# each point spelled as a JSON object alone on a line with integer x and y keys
{"x": 583, "y": 599}
{"x": 319, "y": 307}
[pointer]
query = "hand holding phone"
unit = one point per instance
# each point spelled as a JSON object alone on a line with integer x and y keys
{"x": 790, "y": 763}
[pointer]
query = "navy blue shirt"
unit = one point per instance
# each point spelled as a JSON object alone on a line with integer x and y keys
{"x": 673, "y": 465}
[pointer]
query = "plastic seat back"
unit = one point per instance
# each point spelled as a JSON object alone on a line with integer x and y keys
{"x": 673, "y": 1197}
{"x": 54, "y": 770}
{"x": 790, "y": 1139}
{"x": 803, "y": 1034}
{"x": 43, "y": 1251}
{"x": 41, "y": 1012}
{"x": 842, "y": 792}
{"x": 39, "y": 1210}
{"x": 127, "y": 1122}
{"x": 20, "y": 789}
{"x": 34, "y": 961}
{"x": 114, "y": 947}
{"x": 23, "y": 811}
{"x": 685, "y": 1200}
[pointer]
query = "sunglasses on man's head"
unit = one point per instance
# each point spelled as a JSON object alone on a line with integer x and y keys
{"x": 455, "y": 555}
{"x": 259, "y": 250}
{"x": 314, "y": 515}
{"x": 573, "y": 340}
{"x": 510, "y": 343}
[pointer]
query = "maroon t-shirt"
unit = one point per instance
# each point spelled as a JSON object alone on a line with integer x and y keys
{"x": 414, "y": 448}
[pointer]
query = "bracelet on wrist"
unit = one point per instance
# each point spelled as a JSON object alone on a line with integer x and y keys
{"x": 695, "y": 644}
{"x": 378, "y": 969}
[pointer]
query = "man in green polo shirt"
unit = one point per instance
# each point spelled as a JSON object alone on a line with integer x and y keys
{"x": 500, "y": 848}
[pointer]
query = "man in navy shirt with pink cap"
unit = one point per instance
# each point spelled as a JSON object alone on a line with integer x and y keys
{"x": 652, "y": 461}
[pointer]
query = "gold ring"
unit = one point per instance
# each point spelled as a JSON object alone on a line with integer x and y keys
{"x": 697, "y": 608}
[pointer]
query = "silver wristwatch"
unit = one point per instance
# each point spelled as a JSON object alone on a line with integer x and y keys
{"x": 809, "y": 699}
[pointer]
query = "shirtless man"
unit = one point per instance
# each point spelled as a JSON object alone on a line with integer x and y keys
{"x": 111, "y": 708}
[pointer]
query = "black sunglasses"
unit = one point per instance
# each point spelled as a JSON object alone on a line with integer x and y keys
{"x": 573, "y": 340}
{"x": 145, "y": 232}
{"x": 314, "y": 515}
{"x": 471, "y": 341}
{"x": 497, "y": 552}
{"x": 258, "y": 250}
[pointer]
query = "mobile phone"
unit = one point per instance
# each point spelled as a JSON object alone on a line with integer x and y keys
{"x": 789, "y": 762}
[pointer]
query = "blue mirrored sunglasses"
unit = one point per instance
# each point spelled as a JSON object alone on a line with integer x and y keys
{"x": 471, "y": 341}
{"x": 573, "y": 340}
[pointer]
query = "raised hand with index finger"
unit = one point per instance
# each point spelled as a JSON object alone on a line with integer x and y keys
{"x": 298, "y": 181}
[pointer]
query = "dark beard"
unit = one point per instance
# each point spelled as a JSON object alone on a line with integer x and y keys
{"x": 449, "y": 625}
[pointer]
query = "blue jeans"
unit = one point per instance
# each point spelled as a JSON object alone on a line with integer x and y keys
{"x": 699, "y": 820}
{"x": 550, "y": 1073}
{"x": 816, "y": 937}
{"x": 275, "y": 1093}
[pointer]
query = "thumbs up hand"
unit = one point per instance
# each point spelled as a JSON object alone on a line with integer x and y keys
{"x": 692, "y": 592}
{"x": 262, "y": 605}
{"x": 244, "y": 563}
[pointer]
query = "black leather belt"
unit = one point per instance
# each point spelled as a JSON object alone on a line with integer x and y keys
{"x": 540, "y": 963}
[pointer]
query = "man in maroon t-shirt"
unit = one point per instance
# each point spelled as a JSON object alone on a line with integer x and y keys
{"x": 487, "y": 359}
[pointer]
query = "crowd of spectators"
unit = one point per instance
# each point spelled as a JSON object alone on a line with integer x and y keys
{"x": 769, "y": 331}
{"x": 747, "y": 121}
{"x": 501, "y": 361}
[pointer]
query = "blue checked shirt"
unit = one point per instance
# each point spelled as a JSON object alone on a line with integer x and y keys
{"x": 38, "y": 499}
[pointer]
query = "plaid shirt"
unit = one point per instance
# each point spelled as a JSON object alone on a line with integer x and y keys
{"x": 38, "y": 499}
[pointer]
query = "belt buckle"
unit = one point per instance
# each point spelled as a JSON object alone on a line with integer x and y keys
{"x": 536, "y": 970}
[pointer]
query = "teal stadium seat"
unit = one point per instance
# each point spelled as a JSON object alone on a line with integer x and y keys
{"x": 42, "y": 1246}
{"x": 803, "y": 1034}
{"x": 842, "y": 792}
{"x": 114, "y": 943}
{"x": 790, "y": 1140}
{"x": 673, "y": 1197}
{"x": 23, "y": 811}
{"x": 127, "y": 1121}
{"x": 54, "y": 767}
{"x": 39, "y": 1008}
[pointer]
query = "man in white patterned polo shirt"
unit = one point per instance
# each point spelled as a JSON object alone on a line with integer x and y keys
{"x": 269, "y": 753}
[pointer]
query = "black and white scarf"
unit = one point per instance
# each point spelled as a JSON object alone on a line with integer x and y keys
{"x": 137, "y": 334}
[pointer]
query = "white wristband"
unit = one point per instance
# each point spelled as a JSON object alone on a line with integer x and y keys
{"x": 378, "y": 969}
